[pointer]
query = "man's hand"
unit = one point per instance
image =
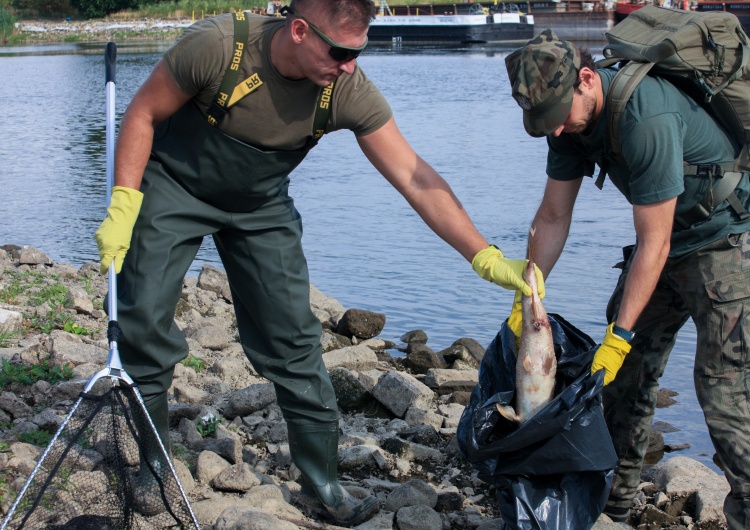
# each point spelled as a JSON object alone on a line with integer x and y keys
{"x": 113, "y": 235}
{"x": 610, "y": 355}
{"x": 492, "y": 266}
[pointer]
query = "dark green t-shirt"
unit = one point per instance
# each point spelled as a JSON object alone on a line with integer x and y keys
{"x": 659, "y": 129}
{"x": 279, "y": 114}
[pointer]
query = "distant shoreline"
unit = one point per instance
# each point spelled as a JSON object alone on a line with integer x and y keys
{"x": 56, "y": 32}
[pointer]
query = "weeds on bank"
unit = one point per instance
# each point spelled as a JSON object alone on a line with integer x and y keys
{"x": 8, "y": 338}
{"x": 181, "y": 453}
{"x": 6, "y": 25}
{"x": 44, "y": 291}
{"x": 38, "y": 438}
{"x": 6, "y": 491}
{"x": 207, "y": 425}
{"x": 193, "y": 362}
{"x": 28, "y": 374}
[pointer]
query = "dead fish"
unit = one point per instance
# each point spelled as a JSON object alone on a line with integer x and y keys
{"x": 536, "y": 364}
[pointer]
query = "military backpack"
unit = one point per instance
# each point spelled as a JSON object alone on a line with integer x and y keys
{"x": 707, "y": 55}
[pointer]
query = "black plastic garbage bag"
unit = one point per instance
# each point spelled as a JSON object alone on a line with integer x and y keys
{"x": 555, "y": 471}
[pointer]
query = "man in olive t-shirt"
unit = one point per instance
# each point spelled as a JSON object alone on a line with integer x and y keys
{"x": 206, "y": 147}
{"x": 682, "y": 265}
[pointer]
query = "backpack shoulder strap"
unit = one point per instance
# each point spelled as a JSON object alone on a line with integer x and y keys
{"x": 622, "y": 87}
{"x": 220, "y": 104}
{"x": 322, "y": 111}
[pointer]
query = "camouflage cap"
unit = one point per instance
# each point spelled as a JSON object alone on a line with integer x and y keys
{"x": 542, "y": 74}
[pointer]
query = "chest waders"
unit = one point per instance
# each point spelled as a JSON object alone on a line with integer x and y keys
{"x": 198, "y": 182}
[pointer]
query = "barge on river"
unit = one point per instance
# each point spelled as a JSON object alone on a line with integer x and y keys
{"x": 429, "y": 26}
{"x": 741, "y": 9}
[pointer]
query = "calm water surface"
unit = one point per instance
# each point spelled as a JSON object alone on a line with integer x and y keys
{"x": 364, "y": 245}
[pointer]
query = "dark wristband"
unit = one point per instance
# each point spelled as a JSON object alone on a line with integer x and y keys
{"x": 623, "y": 333}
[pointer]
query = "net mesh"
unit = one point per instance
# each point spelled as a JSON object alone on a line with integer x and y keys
{"x": 105, "y": 470}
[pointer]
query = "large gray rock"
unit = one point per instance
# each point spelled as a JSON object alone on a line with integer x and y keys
{"x": 414, "y": 492}
{"x": 212, "y": 337}
{"x": 249, "y": 400}
{"x": 351, "y": 394}
{"x": 214, "y": 280}
{"x": 361, "y": 323}
{"x": 412, "y": 451}
{"x": 328, "y": 310}
{"x": 70, "y": 349}
{"x": 362, "y": 458}
{"x": 10, "y": 403}
{"x": 240, "y": 518}
{"x": 209, "y": 510}
{"x": 464, "y": 354}
{"x": 80, "y": 301}
{"x": 420, "y": 358}
{"x": 680, "y": 475}
{"x": 31, "y": 256}
{"x": 209, "y": 465}
{"x": 399, "y": 391}
{"x": 437, "y": 377}
{"x": 238, "y": 478}
{"x": 10, "y": 321}
{"x": 418, "y": 518}
{"x": 357, "y": 358}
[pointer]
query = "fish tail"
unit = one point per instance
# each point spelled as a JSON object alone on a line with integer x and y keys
{"x": 507, "y": 412}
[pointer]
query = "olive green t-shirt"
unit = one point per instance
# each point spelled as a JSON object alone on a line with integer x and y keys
{"x": 660, "y": 128}
{"x": 279, "y": 114}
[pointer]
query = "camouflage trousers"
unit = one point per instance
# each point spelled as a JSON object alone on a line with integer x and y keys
{"x": 712, "y": 286}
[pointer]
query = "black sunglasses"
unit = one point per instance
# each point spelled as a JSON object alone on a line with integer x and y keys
{"x": 338, "y": 53}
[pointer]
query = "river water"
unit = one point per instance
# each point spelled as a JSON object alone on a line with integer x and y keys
{"x": 364, "y": 245}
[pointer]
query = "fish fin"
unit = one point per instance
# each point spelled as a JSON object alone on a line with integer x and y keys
{"x": 550, "y": 362}
{"x": 527, "y": 365}
{"x": 507, "y": 412}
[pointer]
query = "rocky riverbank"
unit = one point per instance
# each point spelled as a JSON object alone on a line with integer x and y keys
{"x": 400, "y": 410}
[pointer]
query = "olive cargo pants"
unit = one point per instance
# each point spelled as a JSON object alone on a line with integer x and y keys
{"x": 711, "y": 286}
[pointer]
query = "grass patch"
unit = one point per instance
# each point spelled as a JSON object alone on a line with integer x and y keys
{"x": 38, "y": 438}
{"x": 28, "y": 374}
{"x": 193, "y": 362}
{"x": 75, "y": 329}
{"x": 207, "y": 426}
{"x": 6, "y": 491}
{"x": 39, "y": 290}
{"x": 7, "y": 27}
{"x": 8, "y": 338}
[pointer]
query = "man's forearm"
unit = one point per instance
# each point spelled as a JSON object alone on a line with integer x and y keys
{"x": 133, "y": 150}
{"x": 643, "y": 276}
{"x": 547, "y": 242}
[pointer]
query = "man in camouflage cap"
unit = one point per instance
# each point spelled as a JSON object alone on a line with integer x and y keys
{"x": 543, "y": 74}
{"x": 685, "y": 264}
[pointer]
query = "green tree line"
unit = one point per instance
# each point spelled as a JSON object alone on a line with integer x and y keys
{"x": 90, "y": 9}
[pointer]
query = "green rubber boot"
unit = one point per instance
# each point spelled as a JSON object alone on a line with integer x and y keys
{"x": 314, "y": 449}
{"x": 154, "y": 471}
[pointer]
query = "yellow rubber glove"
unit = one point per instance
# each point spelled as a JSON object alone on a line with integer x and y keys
{"x": 113, "y": 235}
{"x": 492, "y": 266}
{"x": 515, "y": 320}
{"x": 610, "y": 355}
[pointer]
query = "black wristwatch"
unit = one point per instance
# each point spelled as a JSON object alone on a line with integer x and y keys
{"x": 623, "y": 333}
